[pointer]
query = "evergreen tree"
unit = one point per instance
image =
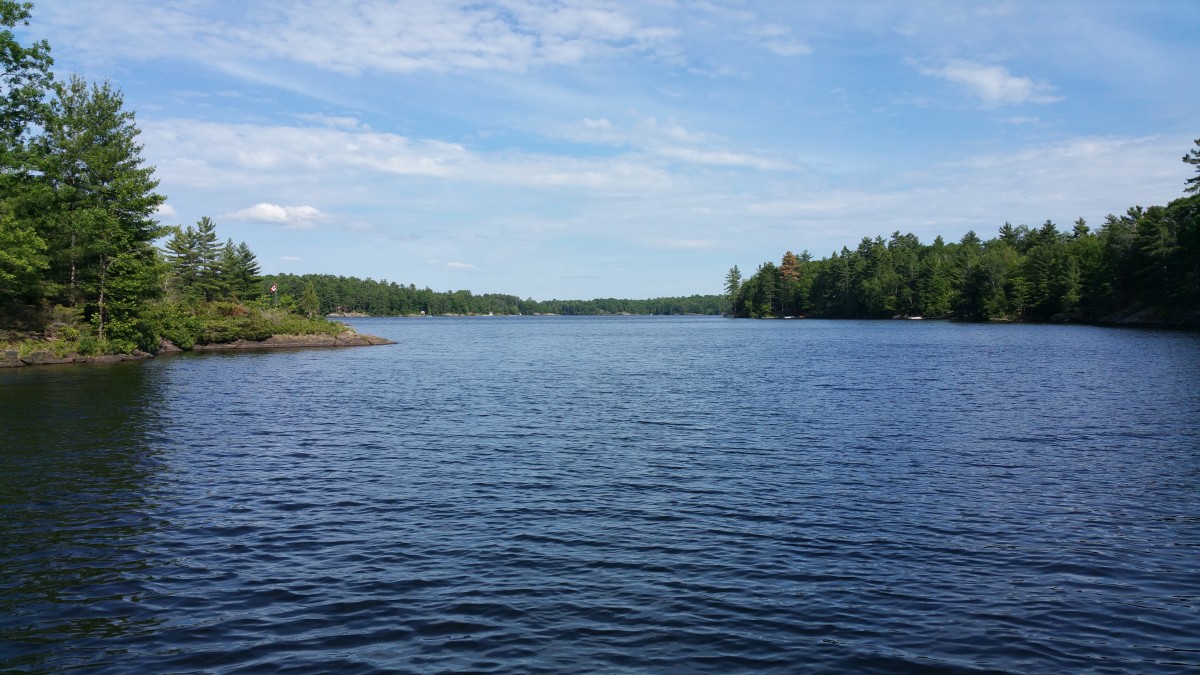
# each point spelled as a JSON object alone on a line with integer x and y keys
{"x": 1193, "y": 158}
{"x": 310, "y": 304}
{"x": 197, "y": 262}
{"x": 184, "y": 261}
{"x": 208, "y": 256}
{"x": 1158, "y": 245}
{"x": 239, "y": 271}
{"x": 733, "y": 283}
{"x": 935, "y": 290}
{"x": 98, "y": 217}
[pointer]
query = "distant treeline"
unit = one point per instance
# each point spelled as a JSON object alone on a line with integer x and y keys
{"x": 383, "y": 298}
{"x": 1147, "y": 260}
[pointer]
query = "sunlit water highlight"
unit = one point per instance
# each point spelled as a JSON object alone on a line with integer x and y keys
{"x": 612, "y": 494}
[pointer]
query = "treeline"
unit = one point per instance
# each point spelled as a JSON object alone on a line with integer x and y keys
{"x": 1146, "y": 260}
{"x": 339, "y": 294}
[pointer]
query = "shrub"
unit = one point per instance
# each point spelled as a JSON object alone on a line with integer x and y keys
{"x": 88, "y": 345}
{"x": 174, "y": 322}
{"x": 230, "y": 330}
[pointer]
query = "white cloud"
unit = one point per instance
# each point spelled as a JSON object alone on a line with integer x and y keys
{"x": 458, "y": 266}
{"x": 993, "y": 84}
{"x": 778, "y": 40}
{"x": 165, "y": 211}
{"x": 305, "y": 159}
{"x": 670, "y": 141}
{"x": 352, "y": 38}
{"x": 689, "y": 244}
{"x": 299, "y": 217}
{"x": 1031, "y": 120}
{"x": 290, "y": 258}
{"x": 1082, "y": 177}
{"x": 722, "y": 158}
{"x": 335, "y": 122}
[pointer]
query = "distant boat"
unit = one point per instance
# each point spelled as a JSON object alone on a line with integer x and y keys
{"x": 915, "y": 318}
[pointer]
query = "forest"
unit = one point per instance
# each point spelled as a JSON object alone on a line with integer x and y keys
{"x": 338, "y": 294}
{"x": 1142, "y": 266}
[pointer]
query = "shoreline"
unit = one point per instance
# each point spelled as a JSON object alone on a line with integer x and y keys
{"x": 11, "y": 359}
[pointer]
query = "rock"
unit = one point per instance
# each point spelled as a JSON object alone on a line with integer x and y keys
{"x": 46, "y": 359}
{"x": 166, "y": 346}
{"x": 343, "y": 339}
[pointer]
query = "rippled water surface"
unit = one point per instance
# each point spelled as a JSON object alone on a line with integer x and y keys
{"x": 612, "y": 494}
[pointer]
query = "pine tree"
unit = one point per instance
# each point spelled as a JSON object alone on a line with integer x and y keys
{"x": 238, "y": 271}
{"x": 98, "y": 217}
{"x": 1193, "y": 158}
{"x": 310, "y": 304}
{"x": 733, "y": 283}
{"x": 208, "y": 256}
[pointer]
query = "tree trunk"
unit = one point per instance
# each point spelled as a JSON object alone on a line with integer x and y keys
{"x": 72, "y": 291}
{"x": 100, "y": 303}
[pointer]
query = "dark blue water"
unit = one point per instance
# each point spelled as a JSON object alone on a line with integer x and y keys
{"x": 612, "y": 494}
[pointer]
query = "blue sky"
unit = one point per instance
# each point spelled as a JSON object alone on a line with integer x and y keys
{"x": 584, "y": 148}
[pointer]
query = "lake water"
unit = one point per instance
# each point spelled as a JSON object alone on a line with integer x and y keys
{"x": 612, "y": 495}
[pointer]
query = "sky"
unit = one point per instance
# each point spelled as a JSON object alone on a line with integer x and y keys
{"x": 577, "y": 149}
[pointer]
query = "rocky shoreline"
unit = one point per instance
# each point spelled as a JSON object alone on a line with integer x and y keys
{"x": 343, "y": 339}
{"x": 12, "y": 359}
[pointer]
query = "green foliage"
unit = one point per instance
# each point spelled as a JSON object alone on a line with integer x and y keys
{"x": 232, "y": 329}
{"x": 383, "y": 298}
{"x": 25, "y": 77}
{"x": 1193, "y": 157}
{"x": 175, "y": 322}
{"x": 22, "y": 257}
{"x": 199, "y": 269}
{"x": 310, "y": 304}
{"x": 97, "y": 203}
{"x": 228, "y": 322}
{"x": 89, "y": 345}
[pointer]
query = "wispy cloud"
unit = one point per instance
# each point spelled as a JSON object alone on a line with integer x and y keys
{"x": 993, "y": 84}
{"x": 670, "y": 141}
{"x": 334, "y": 121}
{"x": 722, "y": 158}
{"x": 353, "y": 38}
{"x": 778, "y": 39}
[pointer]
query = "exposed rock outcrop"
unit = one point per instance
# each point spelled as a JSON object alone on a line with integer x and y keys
{"x": 343, "y": 339}
{"x": 12, "y": 360}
